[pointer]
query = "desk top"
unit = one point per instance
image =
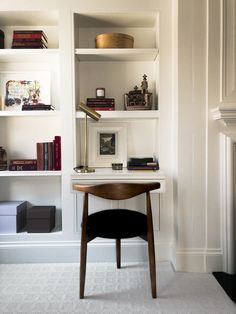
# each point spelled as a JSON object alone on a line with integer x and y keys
{"x": 107, "y": 174}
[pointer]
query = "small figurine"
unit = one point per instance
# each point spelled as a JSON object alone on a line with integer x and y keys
{"x": 144, "y": 84}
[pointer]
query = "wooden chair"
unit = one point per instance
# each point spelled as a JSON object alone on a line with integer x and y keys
{"x": 117, "y": 223}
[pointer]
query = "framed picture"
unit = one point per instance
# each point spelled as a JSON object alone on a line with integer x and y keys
{"x": 24, "y": 88}
{"x": 107, "y": 144}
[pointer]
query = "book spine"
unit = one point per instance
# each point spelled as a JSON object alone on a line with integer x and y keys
{"x": 57, "y": 153}
{"x": 97, "y": 103}
{"x": 30, "y": 33}
{"x": 142, "y": 168}
{"x": 28, "y": 38}
{"x": 23, "y": 162}
{"x": 23, "y": 47}
{"x": 28, "y": 44}
{"x": 23, "y": 167}
{"x": 37, "y": 107}
{"x": 143, "y": 164}
{"x": 40, "y": 156}
{"x": 101, "y": 100}
{"x": 45, "y": 149}
{"x": 50, "y": 156}
{"x": 141, "y": 160}
{"x": 100, "y": 105}
{"x": 103, "y": 108}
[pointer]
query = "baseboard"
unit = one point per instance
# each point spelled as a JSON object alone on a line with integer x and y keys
{"x": 198, "y": 260}
{"x": 99, "y": 250}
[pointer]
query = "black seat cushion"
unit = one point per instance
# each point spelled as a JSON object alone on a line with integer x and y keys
{"x": 117, "y": 224}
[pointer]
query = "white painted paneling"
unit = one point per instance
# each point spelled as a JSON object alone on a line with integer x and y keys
{"x": 192, "y": 125}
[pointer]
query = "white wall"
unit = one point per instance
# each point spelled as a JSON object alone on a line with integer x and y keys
{"x": 206, "y": 80}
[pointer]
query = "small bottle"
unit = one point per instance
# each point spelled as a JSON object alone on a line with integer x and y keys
{"x": 3, "y": 159}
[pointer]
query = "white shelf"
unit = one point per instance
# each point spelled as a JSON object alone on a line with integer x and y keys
{"x": 44, "y": 173}
{"x": 126, "y": 54}
{"x": 131, "y": 114}
{"x": 31, "y": 55}
{"x": 33, "y": 113}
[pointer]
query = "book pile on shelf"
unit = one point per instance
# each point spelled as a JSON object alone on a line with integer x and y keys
{"x": 37, "y": 106}
{"x": 27, "y": 39}
{"x": 101, "y": 103}
{"x": 49, "y": 154}
{"x": 148, "y": 163}
{"x": 23, "y": 165}
{"x": 48, "y": 158}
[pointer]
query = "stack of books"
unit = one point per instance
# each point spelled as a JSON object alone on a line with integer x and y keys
{"x": 49, "y": 154}
{"x": 37, "y": 106}
{"x": 27, "y": 39}
{"x": 101, "y": 103}
{"x": 147, "y": 163}
{"x": 23, "y": 165}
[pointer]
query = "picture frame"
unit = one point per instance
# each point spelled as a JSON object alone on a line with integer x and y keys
{"x": 26, "y": 87}
{"x": 107, "y": 144}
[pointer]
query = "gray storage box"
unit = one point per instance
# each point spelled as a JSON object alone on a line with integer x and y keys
{"x": 12, "y": 216}
{"x": 41, "y": 219}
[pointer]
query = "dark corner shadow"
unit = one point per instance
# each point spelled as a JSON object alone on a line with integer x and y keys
{"x": 228, "y": 283}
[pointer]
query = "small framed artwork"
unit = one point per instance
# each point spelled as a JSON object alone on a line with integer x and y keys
{"x": 107, "y": 144}
{"x": 24, "y": 88}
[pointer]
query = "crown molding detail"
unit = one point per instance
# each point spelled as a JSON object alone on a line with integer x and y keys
{"x": 225, "y": 114}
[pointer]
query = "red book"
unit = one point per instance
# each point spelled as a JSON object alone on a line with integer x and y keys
{"x": 40, "y": 156}
{"x": 29, "y": 34}
{"x": 23, "y": 162}
{"x": 103, "y": 108}
{"x": 57, "y": 153}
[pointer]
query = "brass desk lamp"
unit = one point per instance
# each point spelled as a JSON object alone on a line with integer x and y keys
{"x": 95, "y": 116}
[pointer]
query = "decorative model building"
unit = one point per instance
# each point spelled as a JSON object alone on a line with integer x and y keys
{"x": 139, "y": 99}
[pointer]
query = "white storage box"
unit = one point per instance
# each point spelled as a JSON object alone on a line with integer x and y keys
{"x": 12, "y": 216}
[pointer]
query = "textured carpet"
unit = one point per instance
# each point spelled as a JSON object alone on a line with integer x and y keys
{"x": 54, "y": 288}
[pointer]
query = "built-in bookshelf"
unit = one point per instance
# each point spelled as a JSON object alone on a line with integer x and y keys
{"x": 21, "y": 130}
{"x": 118, "y": 70}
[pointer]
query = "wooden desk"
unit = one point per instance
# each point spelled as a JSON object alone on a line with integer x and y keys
{"x": 102, "y": 175}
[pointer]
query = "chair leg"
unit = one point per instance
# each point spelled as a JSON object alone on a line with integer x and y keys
{"x": 83, "y": 258}
{"x": 118, "y": 253}
{"x": 152, "y": 264}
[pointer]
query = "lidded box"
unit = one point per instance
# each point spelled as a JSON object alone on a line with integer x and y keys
{"x": 114, "y": 40}
{"x": 41, "y": 219}
{"x": 12, "y": 216}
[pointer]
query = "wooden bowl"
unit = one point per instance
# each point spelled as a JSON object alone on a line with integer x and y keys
{"x": 114, "y": 40}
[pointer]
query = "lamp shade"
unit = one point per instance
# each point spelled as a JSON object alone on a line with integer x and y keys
{"x": 89, "y": 111}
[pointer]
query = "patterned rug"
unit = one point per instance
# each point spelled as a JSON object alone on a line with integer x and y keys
{"x": 54, "y": 289}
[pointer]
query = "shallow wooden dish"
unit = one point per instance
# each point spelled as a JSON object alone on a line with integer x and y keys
{"x": 114, "y": 40}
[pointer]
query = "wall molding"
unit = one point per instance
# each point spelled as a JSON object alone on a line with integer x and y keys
{"x": 225, "y": 113}
{"x": 198, "y": 259}
{"x": 99, "y": 250}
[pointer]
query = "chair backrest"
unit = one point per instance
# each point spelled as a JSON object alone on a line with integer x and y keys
{"x": 117, "y": 191}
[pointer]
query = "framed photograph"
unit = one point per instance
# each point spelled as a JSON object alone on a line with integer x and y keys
{"x": 107, "y": 144}
{"x": 24, "y": 88}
